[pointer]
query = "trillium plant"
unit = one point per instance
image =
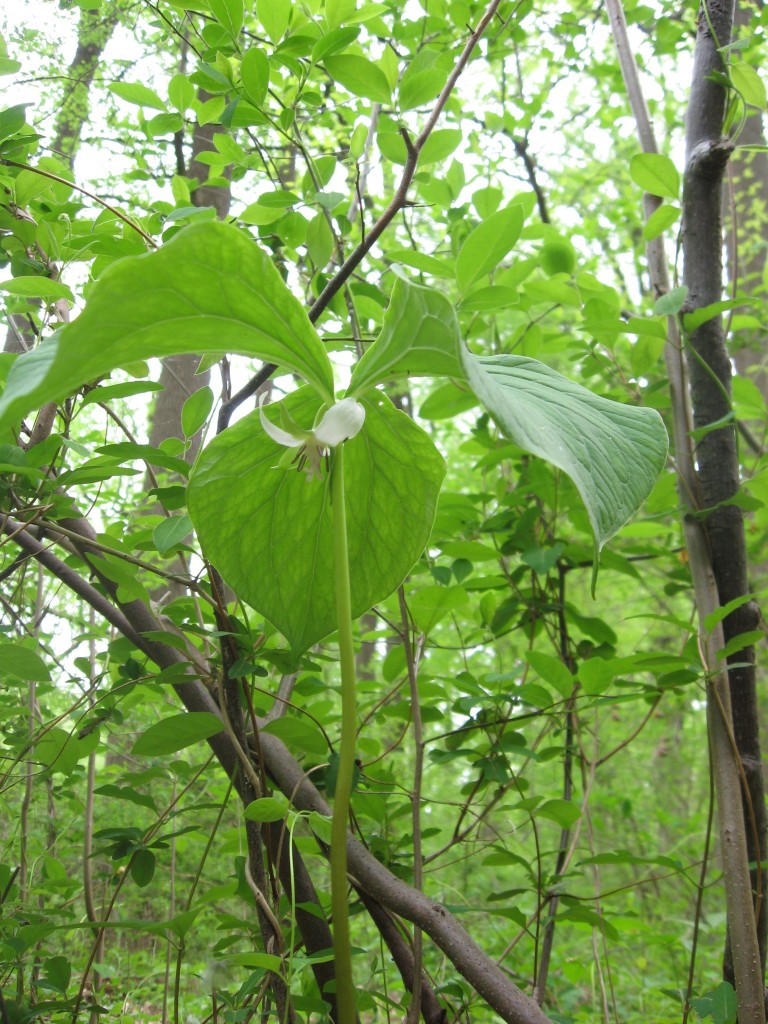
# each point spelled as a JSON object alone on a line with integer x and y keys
{"x": 285, "y": 540}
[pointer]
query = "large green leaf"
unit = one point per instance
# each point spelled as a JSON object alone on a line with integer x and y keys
{"x": 419, "y": 337}
{"x": 268, "y": 528}
{"x": 612, "y": 452}
{"x": 211, "y": 289}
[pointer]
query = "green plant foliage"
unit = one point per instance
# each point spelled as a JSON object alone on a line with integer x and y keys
{"x": 612, "y": 453}
{"x": 274, "y": 542}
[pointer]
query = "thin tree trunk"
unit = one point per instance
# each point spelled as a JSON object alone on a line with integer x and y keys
{"x": 717, "y": 451}
{"x": 702, "y": 237}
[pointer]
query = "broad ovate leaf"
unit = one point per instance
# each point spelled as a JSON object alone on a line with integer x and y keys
{"x": 612, "y": 452}
{"x": 268, "y": 529}
{"x": 419, "y": 337}
{"x": 211, "y": 289}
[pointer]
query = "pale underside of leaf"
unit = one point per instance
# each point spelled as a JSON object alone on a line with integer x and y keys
{"x": 612, "y": 452}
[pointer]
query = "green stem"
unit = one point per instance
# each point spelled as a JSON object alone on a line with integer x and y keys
{"x": 342, "y": 946}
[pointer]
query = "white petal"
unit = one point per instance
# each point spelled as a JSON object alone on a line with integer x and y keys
{"x": 341, "y": 421}
{"x": 277, "y": 433}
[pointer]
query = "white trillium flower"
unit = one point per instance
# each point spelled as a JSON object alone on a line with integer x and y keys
{"x": 339, "y": 423}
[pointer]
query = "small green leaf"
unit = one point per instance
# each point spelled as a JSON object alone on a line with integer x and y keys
{"x": 12, "y": 119}
{"x": 656, "y": 174}
{"x": 748, "y": 83}
{"x": 274, "y": 15}
{"x": 431, "y": 604}
{"x": 423, "y": 78}
{"x": 671, "y": 303}
{"x": 552, "y": 671}
{"x": 486, "y": 300}
{"x": 359, "y": 76}
{"x": 563, "y": 812}
{"x": 138, "y": 94}
{"x": 177, "y": 732}
{"x": 320, "y": 242}
{"x": 724, "y": 1004}
{"x": 421, "y": 261}
{"x": 488, "y": 244}
{"x": 143, "y": 867}
{"x": 338, "y": 12}
{"x": 22, "y": 663}
{"x": 196, "y": 410}
{"x": 321, "y": 826}
{"x": 659, "y": 221}
{"x": 267, "y": 808}
{"x": 228, "y": 13}
{"x": 171, "y": 532}
{"x": 181, "y": 93}
{"x": 332, "y": 42}
{"x": 58, "y": 971}
{"x": 37, "y": 288}
{"x": 254, "y": 74}
{"x": 713, "y": 618}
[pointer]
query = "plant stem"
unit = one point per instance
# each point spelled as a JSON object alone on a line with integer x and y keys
{"x": 342, "y": 947}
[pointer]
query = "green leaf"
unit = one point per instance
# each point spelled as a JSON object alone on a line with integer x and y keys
{"x": 267, "y": 808}
{"x": 58, "y": 972}
{"x": 210, "y": 289}
{"x": 254, "y": 74}
{"x": 488, "y": 244}
{"x": 335, "y": 41}
{"x": 181, "y": 93}
{"x": 171, "y": 532}
{"x": 113, "y": 391}
{"x": 338, "y": 12}
{"x": 11, "y": 119}
{"x": 659, "y": 221}
{"x": 196, "y": 410}
{"x": 320, "y": 242}
{"x": 228, "y": 13}
{"x": 138, "y": 94}
{"x": 359, "y": 76}
{"x": 274, "y": 546}
{"x": 37, "y": 288}
{"x": 552, "y": 671}
{"x": 143, "y": 867}
{"x": 447, "y": 401}
{"x": 423, "y": 79}
{"x": 748, "y": 83}
{"x": 177, "y": 732}
{"x": 431, "y": 604}
{"x": 656, "y": 174}
{"x": 419, "y": 337}
{"x": 274, "y": 15}
{"x": 612, "y": 452}
{"x": 22, "y": 663}
{"x": 672, "y": 302}
{"x": 421, "y": 261}
{"x": 561, "y": 811}
{"x": 724, "y": 1004}
{"x": 486, "y": 300}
